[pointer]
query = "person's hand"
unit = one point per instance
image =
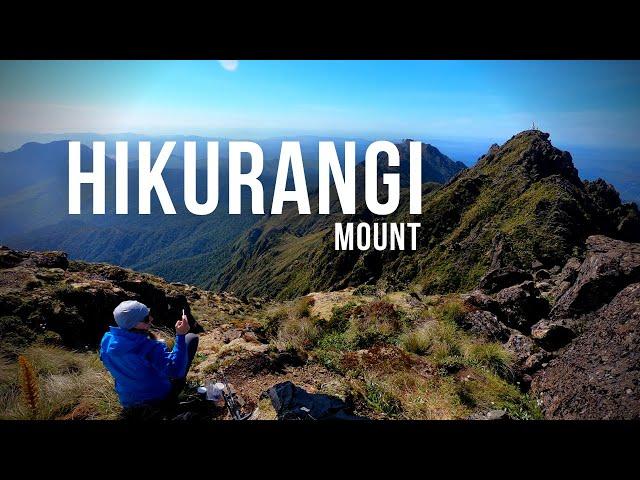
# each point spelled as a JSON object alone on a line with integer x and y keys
{"x": 182, "y": 325}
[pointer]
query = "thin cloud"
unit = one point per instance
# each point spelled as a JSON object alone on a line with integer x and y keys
{"x": 229, "y": 65}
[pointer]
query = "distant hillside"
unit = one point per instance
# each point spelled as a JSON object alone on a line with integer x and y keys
{"x": 290, "y": 254}
{"x": 34, "y": 215}
{"x": 523, "y": 203}
{"x": 182, "y": 247}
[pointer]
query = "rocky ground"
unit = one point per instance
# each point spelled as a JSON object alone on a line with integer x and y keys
{"x": 579, "y": 358}
{"x": 562, "y": 342}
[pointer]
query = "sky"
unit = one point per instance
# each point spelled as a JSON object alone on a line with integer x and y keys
{"x": 589, "y": 103}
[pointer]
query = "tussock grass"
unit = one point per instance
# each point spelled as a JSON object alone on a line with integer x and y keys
{"x": 449, "y": 347}
{"x": 375, "y": 322}
{"x": 297, "y": 334}
{"x": 70, "y": 385}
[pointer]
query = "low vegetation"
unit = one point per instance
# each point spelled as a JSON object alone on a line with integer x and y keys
{"x": 49, "y": 383}
{"x": 399, "y": 364}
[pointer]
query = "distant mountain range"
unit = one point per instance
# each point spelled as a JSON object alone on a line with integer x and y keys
{"x": 182, "y": 247}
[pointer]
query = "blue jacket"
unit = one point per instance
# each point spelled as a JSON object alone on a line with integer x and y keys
{"x": 141, "y": 367}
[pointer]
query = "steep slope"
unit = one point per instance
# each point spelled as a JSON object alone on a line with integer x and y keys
{"x": 290, "y": 254}
{"x": 522, "y": 204}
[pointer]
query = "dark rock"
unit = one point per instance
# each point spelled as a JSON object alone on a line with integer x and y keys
{"x": 500, "y": 278}
{"x": 521, "y": 306}
{"x": 552, "y": 334}
{"x": 536, "y": 264}
{"x": 597, "y": 376}
{"x": 250, "y": 337}
{"x": 9, "y": 258}
{"x": 562, "y": 279}
{"x": 609, "y": 266}
{"x": 485, "y": 324}
{"x": 231, "y": 335}
{"x": 480, "y": 301}
{"x": 541, "y": 275}
{"x": 521, "y": 347}
{"x": 50, "y": 259}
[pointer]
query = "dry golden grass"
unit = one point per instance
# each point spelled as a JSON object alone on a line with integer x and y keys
{"x": 69, "y": 384}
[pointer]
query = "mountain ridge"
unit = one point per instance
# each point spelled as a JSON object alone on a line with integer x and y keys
{"x": 522, "y": 203}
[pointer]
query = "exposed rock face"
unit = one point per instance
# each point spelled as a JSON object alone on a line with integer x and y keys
{"x": 593, "y": 329}
{"x": 44, "y": 291}
{"x": 597, "y": 376}
{"x": 500, "y": 278}
{"x": 485, "y": 324}
{"x": 521, "y": 306}
{"x": 581, "y": 360}
{"x": 609, "y": 266}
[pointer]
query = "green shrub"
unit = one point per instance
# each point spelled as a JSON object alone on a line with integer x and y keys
{"x": 340, "y": 316}
{"x": 381, "y": 398}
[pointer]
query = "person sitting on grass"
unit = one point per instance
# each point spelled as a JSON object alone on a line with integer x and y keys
{"x": 146, "y": 372}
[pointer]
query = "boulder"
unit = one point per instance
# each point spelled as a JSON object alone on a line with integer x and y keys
{"x": 520, "y": 306}
{"x": 596, "y": 376}
{"x": 481, "y": 301}
{"x": 608, "y": 267}
{"x": 552, "y": 334}
{"x": 485, "y": 324}
{"x": 541, "y": 275}
{"x": 500, "y": 278}
{"x": 231, "y": 334}
{"x": 521, "y": 347}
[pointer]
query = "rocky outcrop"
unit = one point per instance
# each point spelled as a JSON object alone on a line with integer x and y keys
{"x": 43, "y": 294}
{"x": 485, "y": 324}
{"x": 609, "y": 266}
{"x": 593, "y": 330}
{"x": 500, "y": 278}
{"x": 521, "y": 306}
{"x": 597, "y": 376}
{"x": 580, "y": 359}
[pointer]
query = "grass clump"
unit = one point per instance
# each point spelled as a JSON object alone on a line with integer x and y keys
{"x": 61, "y": 385}
{"x": 273, "y": 320}
{"x": 297, "y": 334}
{"x": 451, "y": 348}
{"x": 302, "y": 307}
{"x": 376, "y": 322}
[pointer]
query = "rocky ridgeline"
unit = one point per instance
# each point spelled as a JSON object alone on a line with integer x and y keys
{"x": 71, "y": 303}
{"x": 580, "y": 357}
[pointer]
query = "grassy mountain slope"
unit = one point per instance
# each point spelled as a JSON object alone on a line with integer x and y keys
{"x": 290, "y": 254}
{"x": 523, "y": 202}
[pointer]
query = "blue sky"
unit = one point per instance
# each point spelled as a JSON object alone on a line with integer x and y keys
{"x": 579, "y": 103}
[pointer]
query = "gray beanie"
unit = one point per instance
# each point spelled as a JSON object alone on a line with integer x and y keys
{"x": 129, "y": 313}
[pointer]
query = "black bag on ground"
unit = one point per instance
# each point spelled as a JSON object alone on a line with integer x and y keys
{"x": 295, "y": 403}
